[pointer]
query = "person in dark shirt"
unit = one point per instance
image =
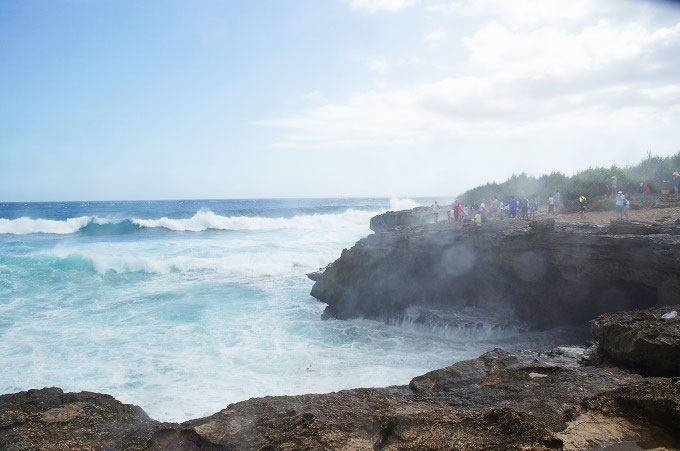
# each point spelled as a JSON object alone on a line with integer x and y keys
{"x": 512, "y": 208}
{"x": 525, "y": 208}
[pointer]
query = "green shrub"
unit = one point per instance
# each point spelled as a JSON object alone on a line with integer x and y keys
{"x": 591, "y": 182}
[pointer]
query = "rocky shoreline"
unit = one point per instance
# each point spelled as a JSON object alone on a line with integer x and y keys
{"x": 622, "y": 392}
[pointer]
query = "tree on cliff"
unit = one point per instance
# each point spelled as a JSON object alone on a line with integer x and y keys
{"x": 591, "y": 181}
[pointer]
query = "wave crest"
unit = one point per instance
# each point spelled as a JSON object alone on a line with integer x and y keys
{"x": 201, "y": 221}
{"x": 238, "y": 265}
{"x": 24, "y": 225}
{"x": 207, "y": 220}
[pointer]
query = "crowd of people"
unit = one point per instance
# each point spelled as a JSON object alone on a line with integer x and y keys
{"x": 512, "y": 208}
{"x": 525, "y": 208}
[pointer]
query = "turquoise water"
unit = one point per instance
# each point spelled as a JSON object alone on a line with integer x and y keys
{"x": 183, "y": 307}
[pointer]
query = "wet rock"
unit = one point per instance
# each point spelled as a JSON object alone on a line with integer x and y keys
{"x": 619, "y": 227}
{"x": 51, "y": 419}
{"x": 316, "y": 275}
{"x": 394, "y": 219}
{"x": 542, "y": 224}
{"x": 502, "y": 400}
{"x": 642, "y": 339}
{"x": 547, "y": 274}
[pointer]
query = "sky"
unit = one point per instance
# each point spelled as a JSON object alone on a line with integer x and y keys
{"x": 168, "y": 99}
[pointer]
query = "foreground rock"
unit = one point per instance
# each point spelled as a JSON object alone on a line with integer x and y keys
{"x": 393, "y": 219}
{"x": 548, "y": 274}
{"x": 52, "y": 419}
{"x": 568, "y": 397}
{"x": 642, "y": 339}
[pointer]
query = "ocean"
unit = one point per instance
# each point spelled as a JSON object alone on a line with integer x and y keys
{"x": 183, "y": 307}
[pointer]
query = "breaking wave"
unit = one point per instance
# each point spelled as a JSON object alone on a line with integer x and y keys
{"x": 240, "y": 264}
{"x": 24, "y": 226}
{"x": 200, "y": 221}
{"x": 207, "y": 220}
{"x": 397, "y": 204}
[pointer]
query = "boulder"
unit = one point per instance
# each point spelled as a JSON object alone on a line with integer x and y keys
{"x": 51, "y": 419}
{"x": 316, "y": 275}
{"x": 394, "y": 219}
{"x": 642, "y": 339}
{"x": 548, "y": 274}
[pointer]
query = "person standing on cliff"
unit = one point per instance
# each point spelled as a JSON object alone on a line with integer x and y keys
{"x": 525, "y": 208}
{"x": 620, "y": 201}
{"x": 582, "y": 206}
{"x": 435, "y": 210}
{"x": 512, "y": 208}
{"x": 458, "y": 212}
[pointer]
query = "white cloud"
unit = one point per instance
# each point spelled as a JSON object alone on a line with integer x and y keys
{"x": 435, "y": 35}
{"x": 381, "y": 5}
{"x": 383, "y": 65}
{"x": 549, "y": 51}
{"x": 379, "y": 66}
{"x": 595, "y": 76}
{"x": 314, "y": 96}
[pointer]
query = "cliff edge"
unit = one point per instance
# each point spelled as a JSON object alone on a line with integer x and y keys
{"x": 547, "y": 273}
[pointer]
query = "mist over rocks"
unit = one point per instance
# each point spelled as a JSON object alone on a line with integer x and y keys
{"x": 547, "y": 273}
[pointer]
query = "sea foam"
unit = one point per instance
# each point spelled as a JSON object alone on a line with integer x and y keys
{"x": 202, "y": 220}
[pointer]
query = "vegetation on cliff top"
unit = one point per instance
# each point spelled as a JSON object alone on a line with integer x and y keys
{"x": 592, "y": 182}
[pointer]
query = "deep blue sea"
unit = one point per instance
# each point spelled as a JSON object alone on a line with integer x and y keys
{"x": 183, "y": 307}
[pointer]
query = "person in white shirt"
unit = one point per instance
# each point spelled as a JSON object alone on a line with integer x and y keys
{"x": 620, "y": 201}
{"x": 435, "y": 210}
{"x": 551, "y": 205}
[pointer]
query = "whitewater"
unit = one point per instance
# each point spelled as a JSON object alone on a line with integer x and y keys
{"x": 183, "y": 307}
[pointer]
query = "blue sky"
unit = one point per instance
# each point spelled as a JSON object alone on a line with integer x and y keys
{"x": 225, "y": 99}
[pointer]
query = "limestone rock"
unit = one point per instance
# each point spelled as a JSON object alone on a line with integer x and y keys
{"x": 51, "y": 419}
{"x": 567, "y": 398}
{"x": 393, "y": 219}
{"x": 548, "y": 274}
{"x": 642, "y": 339}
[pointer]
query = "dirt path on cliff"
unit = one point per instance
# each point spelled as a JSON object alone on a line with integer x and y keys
{"x": 664, "y": 215}
{"x": 644, "y": 213}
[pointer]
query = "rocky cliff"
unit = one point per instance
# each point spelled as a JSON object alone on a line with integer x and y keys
{"x": 548, "y": 274}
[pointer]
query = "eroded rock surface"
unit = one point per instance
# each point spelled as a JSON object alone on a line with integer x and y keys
{"x": 52, "y": 419}
{"x": 499, "y": 401}
{"x": 642, "y": 339}
{"x": 548, "y": 274}
{"x": 392, "y": 219}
